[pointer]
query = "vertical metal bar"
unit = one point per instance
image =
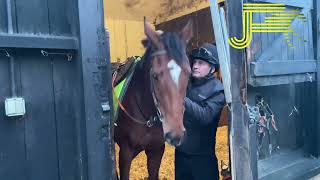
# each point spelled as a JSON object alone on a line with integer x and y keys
{"x": 9, "y": 16}
{"x": 222, "y": 51}
{"x": 12, "y": 68}
{"x": 224, "y": 56}
{"x": 12, "y": 77}
{"x": 316, "y": 43}
{"x": 225, "y": 33}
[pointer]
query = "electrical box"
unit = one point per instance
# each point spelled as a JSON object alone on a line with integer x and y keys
{"x": 15, "y": 106}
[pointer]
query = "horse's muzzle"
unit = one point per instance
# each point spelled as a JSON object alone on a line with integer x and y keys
{"x": 174, "y": 140}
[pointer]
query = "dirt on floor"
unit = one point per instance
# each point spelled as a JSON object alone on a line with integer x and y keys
{"x": 139, "y": 165}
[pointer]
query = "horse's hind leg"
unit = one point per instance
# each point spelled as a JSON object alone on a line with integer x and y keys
{"x": 154, "y": 157}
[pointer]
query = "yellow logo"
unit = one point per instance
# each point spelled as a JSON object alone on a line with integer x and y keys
{"x": 279, "y": 22}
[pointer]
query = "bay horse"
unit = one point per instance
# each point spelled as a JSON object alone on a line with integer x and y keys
{"x": 154, "y": 101}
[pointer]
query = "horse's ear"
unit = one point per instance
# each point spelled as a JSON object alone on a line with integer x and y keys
{"x": 187, "y": 32}
{"x": 150, "y": 33}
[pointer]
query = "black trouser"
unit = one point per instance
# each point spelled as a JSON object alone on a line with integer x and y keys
{"x": 195, "y": 167}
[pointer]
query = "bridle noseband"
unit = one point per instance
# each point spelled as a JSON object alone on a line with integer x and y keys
{"x": 159, "y": 53}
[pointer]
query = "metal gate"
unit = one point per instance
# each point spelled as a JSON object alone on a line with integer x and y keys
{"x": 54, "y": 55}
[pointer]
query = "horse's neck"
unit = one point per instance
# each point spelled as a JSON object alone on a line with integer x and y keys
{"x": 141, "y": 85}
{"x": 142, "y": 76}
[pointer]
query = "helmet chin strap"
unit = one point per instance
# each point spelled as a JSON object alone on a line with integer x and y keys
{"x": 211, "y": 71}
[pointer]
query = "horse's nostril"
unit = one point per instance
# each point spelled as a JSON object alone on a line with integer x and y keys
{"x": 176, "y": 142}
{"x": 168, "y": 137}
{"x": 172, "y": 140}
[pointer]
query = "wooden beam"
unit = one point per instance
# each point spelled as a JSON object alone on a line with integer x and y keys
{"x": 307, "y": 4}
{"x": 241, "y": 165}
{"x": 179, "y": 12}
{"x": 274, "y": 68}
{"x": 280, "y": 80}
{"x": 38, "y": 41}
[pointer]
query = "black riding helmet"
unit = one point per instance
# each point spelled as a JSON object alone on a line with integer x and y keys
{"x": 207, "y": 52}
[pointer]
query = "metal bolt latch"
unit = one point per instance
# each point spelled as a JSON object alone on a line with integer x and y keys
{"x": 45, "y": 53}
{"x": 309, "y": 76}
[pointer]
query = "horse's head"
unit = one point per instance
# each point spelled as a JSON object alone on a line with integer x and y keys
{"x": 169, "y": 75}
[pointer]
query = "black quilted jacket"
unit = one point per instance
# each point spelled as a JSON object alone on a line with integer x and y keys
{"x": 203, "y": 104}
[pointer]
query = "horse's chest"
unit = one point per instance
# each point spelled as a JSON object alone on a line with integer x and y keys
{"x": 148, "y": 136}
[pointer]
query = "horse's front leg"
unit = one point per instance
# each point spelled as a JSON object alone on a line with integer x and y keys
{"x": 126, "y": 156}
{"x": 154, "y": 157}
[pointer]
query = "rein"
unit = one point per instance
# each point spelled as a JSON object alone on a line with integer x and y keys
{"x": 150, "y": 122}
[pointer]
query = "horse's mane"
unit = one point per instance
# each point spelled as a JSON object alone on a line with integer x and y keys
{"x": 173, "y": 45}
